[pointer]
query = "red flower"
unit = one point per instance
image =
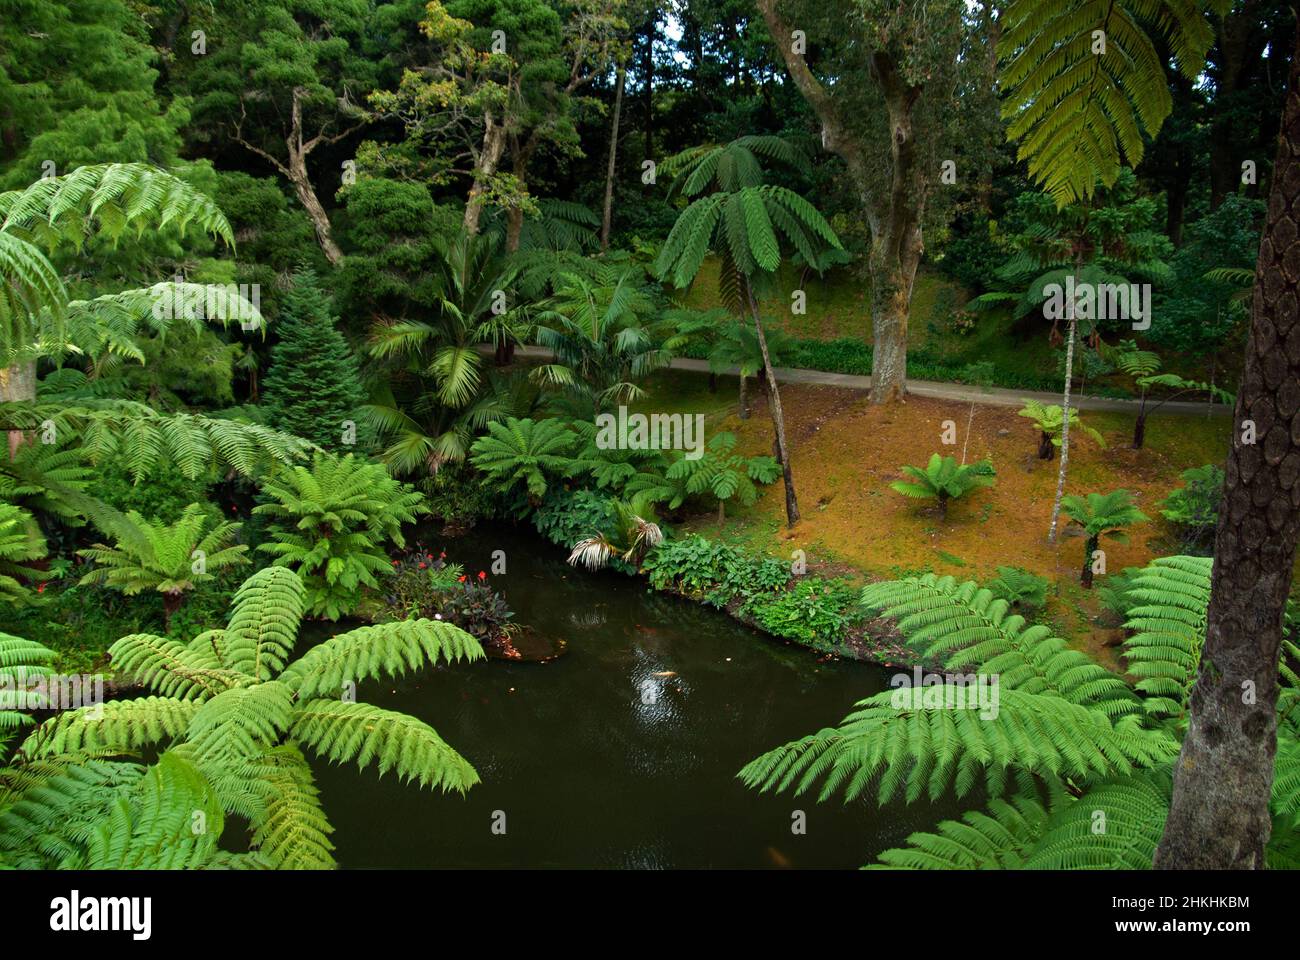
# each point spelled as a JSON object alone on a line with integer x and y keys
{"x": 443, "y": 555}
{"x": 482, "y": 575}
{"x": 461, "y": 578}
{"x": 423, "y": 565}
{"x": 397, "y": 563}
{"x": 40, "y": 588}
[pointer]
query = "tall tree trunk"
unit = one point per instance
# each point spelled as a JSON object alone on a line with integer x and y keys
{"x": 485, "y": 167}
{"x": 320, "y": 220}
{"x": 894, "y": 213}
{"x": 607, "y": 217}
{"x": 744, "y": 398}
{"x": 1224, "y": 775}
{"x": 648, "y": 76}
{"x": 778, "y": 416}
{"x": 1072, "y": 335}
{"x": 17, "y": 383}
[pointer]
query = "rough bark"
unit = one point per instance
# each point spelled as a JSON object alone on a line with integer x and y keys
{"x": 1224, "y": 775}
{"x": 485, "y": 167}
{"x": 17, "y": 383}
{"x": 607, "y": 216}
{"x": 894, "y": 213}
{"x": 1085, "y": 576}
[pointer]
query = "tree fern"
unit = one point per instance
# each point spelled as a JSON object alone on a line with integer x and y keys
{"x": 913, "y": 752}
{"x": 233, "y": 720}
{"x": 966, "y": 628}
{"x": 21, "y": 542}
{"x": 1079, "y": 112}
{"x": 523, "y": 452}
{"x": 331, "y": 523}
{"x": 1167, "y": 619}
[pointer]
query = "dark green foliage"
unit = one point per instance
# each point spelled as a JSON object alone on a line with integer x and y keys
{"x": 313, "y": 389}
{"x": 1194, "y": 508}
{"x": 814, "y": 611}
{"x": 1020, "y": 588}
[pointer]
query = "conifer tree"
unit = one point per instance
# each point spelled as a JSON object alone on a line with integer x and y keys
{"x": 313, "y": 389}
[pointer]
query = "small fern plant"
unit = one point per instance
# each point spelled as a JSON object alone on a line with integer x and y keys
{"x": 331, "y": 523}
{"x": 171, "y": 559}
{"x": 21, "y": 542}
{"x": 1049, "y": 419}
{"x": 943, "y": 480}
{"x": 523, "y": 452}
{"x": 1100, "y": 515}
{"x": 234, "y": 706}
{"x": 717, "y": 474}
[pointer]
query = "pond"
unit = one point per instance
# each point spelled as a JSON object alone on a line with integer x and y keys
{"x": 620, "y": 753}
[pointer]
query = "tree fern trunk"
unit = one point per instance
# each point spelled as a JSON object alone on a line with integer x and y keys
{"x": 1085, "y": 576}
{"x": 1224, "y": 776}
{"x": 17, "y": 383}
{"x": 778, "y": 417}
{"x": 1046, "y": 449}
{"x": 1065, "y": 406}
{"x": 1140, "y": 427}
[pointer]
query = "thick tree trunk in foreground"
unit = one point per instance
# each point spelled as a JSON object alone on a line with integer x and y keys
{"x": 1224, "y": 776}
{"x": 608, "y": 216}
{"x": 778, "y": 419}
{"x": 17, "y": 382}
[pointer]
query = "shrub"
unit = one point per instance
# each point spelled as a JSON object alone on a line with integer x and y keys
{"x": 1194, "y": 508}
{"x": 815, "y": 612}
{"x": 332, "y": 522}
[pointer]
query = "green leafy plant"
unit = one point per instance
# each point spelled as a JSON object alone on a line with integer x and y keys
{"x": 633, "y": 532}
{"x": 1101, "y": 515}
{"x": 717, "y": 473}
{"x": 942, "y": 479}
{"x": 1048, "y": 419}
{"x": 171, "y": 559}
{"x": 1143, "y": 366}
{"x": 523, "y": 451}
{"x": 1022, "y": 589}
{"x": 1068, "y": 738}
{"x": 331, "y": 523}
{"x": 21, "y": 542}
{"x": 239, "y": 713}
{"x": 1194, "y": 507}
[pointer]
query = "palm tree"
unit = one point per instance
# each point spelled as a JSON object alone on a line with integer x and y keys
{"x": 1101, "y": 515}
{"x": 171, "y": 559}
{"x": 738, "y": 217}
{"x": 233, "y": 705}
{"x": 635, "y": 533}
{"x": 601, "y": 328}
{"x": 430, "y": 392}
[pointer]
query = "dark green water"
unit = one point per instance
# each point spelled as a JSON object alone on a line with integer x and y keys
{"x": 589, "y": 774}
